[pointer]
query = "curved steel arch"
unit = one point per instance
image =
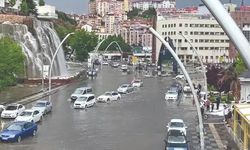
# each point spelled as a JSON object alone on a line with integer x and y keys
{"x": 111, "y": 44}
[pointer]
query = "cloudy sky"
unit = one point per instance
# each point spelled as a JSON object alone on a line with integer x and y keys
{"x": 81, "y": 6}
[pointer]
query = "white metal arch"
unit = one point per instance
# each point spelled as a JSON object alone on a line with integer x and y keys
{"x": 111, "y": 44}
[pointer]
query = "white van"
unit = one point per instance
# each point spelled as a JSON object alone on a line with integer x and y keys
{"x": 85, "y": 101}
{"x": 80, "y": 91}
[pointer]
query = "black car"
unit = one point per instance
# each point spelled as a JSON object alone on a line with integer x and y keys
{"x": 176, "y": 139}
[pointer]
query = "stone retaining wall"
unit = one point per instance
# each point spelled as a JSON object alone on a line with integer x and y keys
{"x": 15, "y": 19}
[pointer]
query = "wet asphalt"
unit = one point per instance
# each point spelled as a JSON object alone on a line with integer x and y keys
{"x": 136, "y": 122}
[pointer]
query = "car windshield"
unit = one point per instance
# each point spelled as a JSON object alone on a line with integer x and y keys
{"x": 82, "y": 98}
{"x": 172, "y": 92}
{"x": 183, "y": 145}
{"x": 176, "y": 124}
{"x": 26, "y": 113}
{"x": 16, "y": 127}
{"x": 137, "y": 81}
{"x": 78, "y": 91}
{"x": 107, "y": 94}
{"x": 40, "y": 104}
{"x": 11, "y": 108}
{"x": 176, "y": 139}
{"x": 124, "y": 86}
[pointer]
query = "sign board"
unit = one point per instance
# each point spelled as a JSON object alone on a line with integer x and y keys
{"x": 45, "y": 71}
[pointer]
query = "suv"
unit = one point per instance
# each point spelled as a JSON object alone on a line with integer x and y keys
{"x": 176, "y": 139}
{"x": 80, "y": 91}
{"x": 85, "y": 101}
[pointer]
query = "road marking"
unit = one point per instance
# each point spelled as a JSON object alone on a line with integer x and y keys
{"x": 216, "y": 136}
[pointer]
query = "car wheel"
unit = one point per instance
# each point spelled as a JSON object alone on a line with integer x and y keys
{"x": 118, "y": 98}
{"x": 41, "y": 119}
{"x": 19, "y": 139}
{"x": 32, "y": 121}
{"x": 108, "y": 100}
{"x": 34, "y": 133}
{"x": 85, "y": 106}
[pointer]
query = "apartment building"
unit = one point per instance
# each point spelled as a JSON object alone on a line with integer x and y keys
{"x": 146, "y": 4}
{"x": 133, "y": 32}
{"x": 203, "y": 31}
{"x": 242, "y": 18}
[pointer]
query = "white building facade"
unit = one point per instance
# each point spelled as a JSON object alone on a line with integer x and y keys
{"x": 245, "y": 86}
{"x": 204, "y": 32}
{"x": 146, "y": 4}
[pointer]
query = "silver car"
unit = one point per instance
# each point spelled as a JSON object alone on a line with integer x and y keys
{"x": 43, "y": 106}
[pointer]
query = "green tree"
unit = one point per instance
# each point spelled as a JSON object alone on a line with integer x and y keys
{"x": 28, "y": 6}
{"x": 149, "y": 13}
{"x": 24, "y": 8}
{"x": 12, "y": 2}
{"x": 230, "y": 78}
{"x": 133, "y": 13}
{"x": 11, "y": 62}
{"x": 240, "y": 65}
{"x": 83, "y": 42}
{"x": 41, "y": 3}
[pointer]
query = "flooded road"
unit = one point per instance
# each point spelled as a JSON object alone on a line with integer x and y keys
{"x": 136, "y": 122}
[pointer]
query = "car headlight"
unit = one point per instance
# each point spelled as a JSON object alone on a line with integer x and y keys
{"x": 11, "y": 136}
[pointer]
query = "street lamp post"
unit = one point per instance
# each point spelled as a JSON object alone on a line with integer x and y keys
{"x": 53, "y": 59}
{"x": 202, "y": 65}
{"x": 202, "y": 145}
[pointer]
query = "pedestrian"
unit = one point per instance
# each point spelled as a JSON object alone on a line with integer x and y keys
{"x": 225, "y": 113}
{"x": 202, "y": 109}
{"x": 208, "y": 104}
{"x": 212, "y": 107}
{"x": 229, "y": 117}
{"x": 199, "y": 86}
{"x": 218, "y": 102}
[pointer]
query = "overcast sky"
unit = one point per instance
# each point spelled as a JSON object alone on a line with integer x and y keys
{"x": 81, "y": 6}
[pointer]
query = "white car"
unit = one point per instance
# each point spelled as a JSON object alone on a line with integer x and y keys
{"x": 177, "y": 124}
{"x": 125, "y": 88}
{"x": 137, "y": 83}
{"x": 85, "y": 101}
{"x": 12, "y": 111}
{"x": 79, "y": 92}
{"x": 171, "y": 95}
{"x": 180, "y": 76}
{"x": 30, "y": 115}
{"x": 109, "y": 96}
{"x": 43, "y": 106}
{"x": 105, "y": 63}
{"x": 124, "y": 68}
{"x": 187, "y": 89}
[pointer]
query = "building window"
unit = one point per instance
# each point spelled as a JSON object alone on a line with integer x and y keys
{"x": 180, "y": 24}
{"x": 185, "y": 32}
{"x": 163, "y": 26}
{"x": 191, "y": 33}
{"x": 180, "y": 32}
{"x": 196, "y": 40}
{"x": 186, "y": 25}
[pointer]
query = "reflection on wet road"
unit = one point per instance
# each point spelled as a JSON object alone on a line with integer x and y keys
{"x": 136, "y": 122}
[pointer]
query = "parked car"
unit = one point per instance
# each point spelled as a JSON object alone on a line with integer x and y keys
{"x": 177, "y": 124}
{"x": 105, "y": 63}
{"x": 80, "y": 91}
{"x": 12, "y": 111}
{"x": 124, "y": 68}
{"x": 109, "y": 96}
{"x": 187, "y": 89}
{"x": 125, "y": 88}
{"x": 92, "y": 72}
{"x": 16, "y": 131}
{"x": 30, "y": 115}
{"x": 180, "y": 76}
{"x": 115, "y": 64}
{"x": 137, "y": 83}
{"x": 85, "y": 101}
{"x": 171, "y": 95}
{"x": 43, "y": 106}
{"x": 176, "y": 139}
{"x": 1, "y": 108}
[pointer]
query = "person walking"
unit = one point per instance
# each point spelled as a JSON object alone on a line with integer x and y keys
{"x": 212, "y": 107}
{"x": 225, "y": 113}
{"x": 208, "y": 104}
{"x": 218, "y": 99}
